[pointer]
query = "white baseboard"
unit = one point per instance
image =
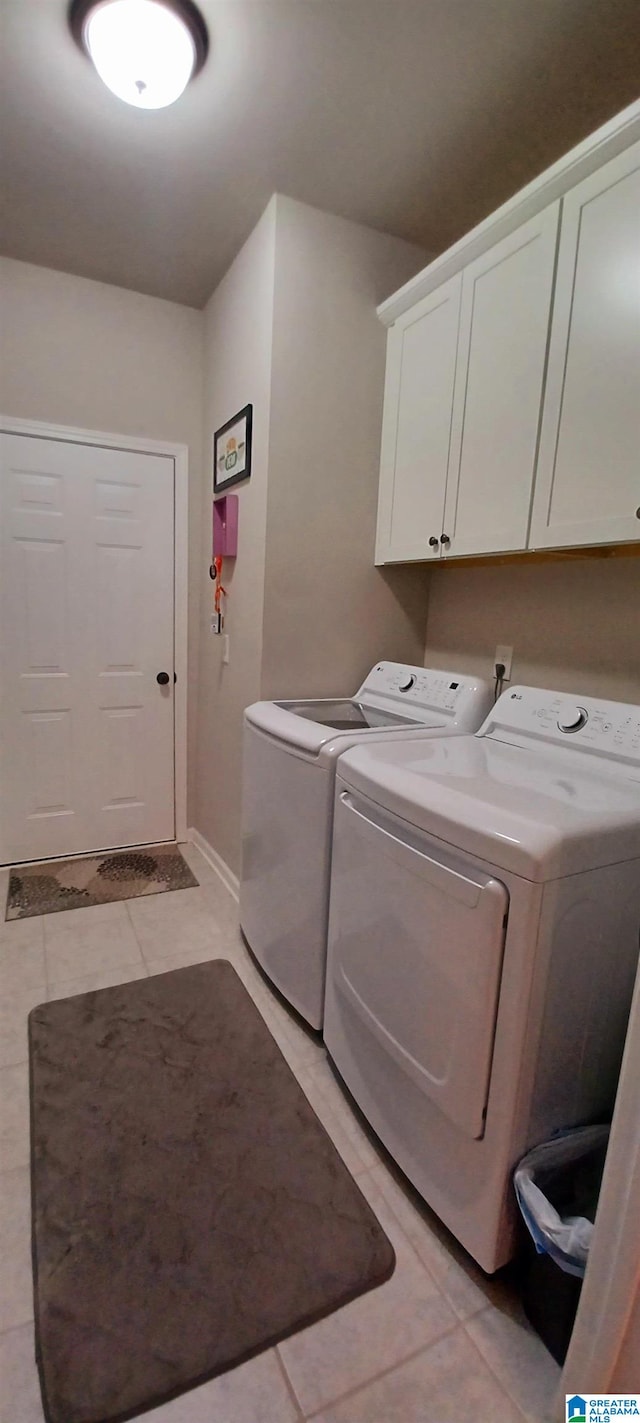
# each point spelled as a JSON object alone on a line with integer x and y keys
{"x": 229, "y": 880}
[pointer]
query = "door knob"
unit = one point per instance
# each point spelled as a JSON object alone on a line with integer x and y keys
{"x": 163, "y": 679}
{"x": 445, "y": 540}
{"x": 433, "y": 542}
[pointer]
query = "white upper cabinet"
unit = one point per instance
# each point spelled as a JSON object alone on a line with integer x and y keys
{"x": 512, "y": 397}
{"x": 465, "y": 370}
{"x": 416, "y": 429}
{"x": 502, "y": 346}
{"x": 588, "y": 485}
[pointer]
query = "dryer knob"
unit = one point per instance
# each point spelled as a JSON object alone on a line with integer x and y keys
{"x": 572, "y": 718}
{"x": 408, "y": 683}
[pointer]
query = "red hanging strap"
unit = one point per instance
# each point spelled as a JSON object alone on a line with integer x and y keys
{"x": 220, "y": 591}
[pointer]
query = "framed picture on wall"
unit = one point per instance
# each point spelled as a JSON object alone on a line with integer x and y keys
{"x": 232, "y": 450}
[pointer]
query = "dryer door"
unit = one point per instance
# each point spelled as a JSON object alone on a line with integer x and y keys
{"x": 416, "y": 944}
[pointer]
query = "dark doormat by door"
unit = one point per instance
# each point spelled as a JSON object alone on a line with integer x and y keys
{"x": 96, "y": 879}
{"x": 189, "y": 1209}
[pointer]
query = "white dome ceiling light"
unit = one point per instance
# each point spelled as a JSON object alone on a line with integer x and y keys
{"x": 145, "y": 51}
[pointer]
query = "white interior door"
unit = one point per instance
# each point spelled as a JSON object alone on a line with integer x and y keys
{"x": 86, "y": 623}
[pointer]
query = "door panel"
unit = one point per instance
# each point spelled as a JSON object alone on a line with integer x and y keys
{"x": 123, "y": 735}
{"x": 86, "y": 622}
{"x": 417, "y": 940}
{"x": 119, "y": 599}
{"x": 504, "y": 325}
{"x": 48, "y": 736}
{"x": 587, "y": 491}
{"x": 45, "y": 611}
{"x": 417, "y": 426}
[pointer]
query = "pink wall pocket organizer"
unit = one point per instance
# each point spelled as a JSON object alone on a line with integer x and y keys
{"x": 225, "y": 526}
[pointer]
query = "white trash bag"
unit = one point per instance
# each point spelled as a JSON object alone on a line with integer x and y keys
{"x": 568, "y": 1167}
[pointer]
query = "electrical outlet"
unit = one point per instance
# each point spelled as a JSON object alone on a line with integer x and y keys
{"x": 505, "y": 655}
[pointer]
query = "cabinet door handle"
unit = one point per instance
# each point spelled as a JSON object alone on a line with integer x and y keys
{"x": 444, "y": 539}
{"x": 433, "y": 541}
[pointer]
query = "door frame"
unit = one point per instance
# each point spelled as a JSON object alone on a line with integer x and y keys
{"x": 179, "y": 453}
{"x": 609, "y": 1308}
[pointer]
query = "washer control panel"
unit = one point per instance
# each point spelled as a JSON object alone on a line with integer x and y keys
{"x": 419, "y": 688}
{"x": 610, "y": 729}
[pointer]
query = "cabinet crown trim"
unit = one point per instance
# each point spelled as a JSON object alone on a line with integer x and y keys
{"x": 613, "y": 138}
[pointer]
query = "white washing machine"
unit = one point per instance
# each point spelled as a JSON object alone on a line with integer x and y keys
{"x": 290, "y": 754}
{"x": 483, "y": 943}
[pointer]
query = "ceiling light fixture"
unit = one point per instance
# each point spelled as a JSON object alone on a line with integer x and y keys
{"x": 145, "y": 51}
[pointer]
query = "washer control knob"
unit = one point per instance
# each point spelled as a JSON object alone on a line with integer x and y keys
{"x": 408, "y": 683}
{"x": 572, "y": 718}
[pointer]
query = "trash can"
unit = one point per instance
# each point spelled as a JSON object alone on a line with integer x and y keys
{"x": 557, "y": 1185}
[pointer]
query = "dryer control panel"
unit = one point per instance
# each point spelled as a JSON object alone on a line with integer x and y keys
{"x": 610, "y": 730}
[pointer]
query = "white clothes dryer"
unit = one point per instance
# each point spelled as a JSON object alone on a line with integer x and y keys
{"x": 483, "y": 943}
{"x": 290, "y": 754}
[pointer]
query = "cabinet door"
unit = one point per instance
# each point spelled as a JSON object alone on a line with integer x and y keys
{"x": 588, "y": 485}
{"x": 416, "y": 430}
{"x": 504, "y": 327}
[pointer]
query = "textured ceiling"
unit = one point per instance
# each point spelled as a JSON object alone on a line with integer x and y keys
{"x": 417, "y": 117}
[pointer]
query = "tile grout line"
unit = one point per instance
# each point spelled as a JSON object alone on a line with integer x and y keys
{"x": 505, "y": 1389}
{"x": 130, "y": 918}
{"x": 423, "y": 1348}
{"x": 333, "y": 1121}
{"x": 288, "y": 1384}
{"x": 47, "y": 984}
{"x": 326, "y": 1097}
{"x": 488, "y": 1304}
{"x": 383, "y": 1373}
{"x": 413, "y": 1248}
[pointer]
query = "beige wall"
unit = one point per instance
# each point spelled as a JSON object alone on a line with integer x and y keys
{"x": 574, "y": 625}
{"x": 292, "y": 329}
{"x": 77, "y": 352}
{"x": 328, "y": 612}
{"x": 237, "y": 361}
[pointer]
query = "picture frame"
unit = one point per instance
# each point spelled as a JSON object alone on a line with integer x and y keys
{"x": 232, "y": 450}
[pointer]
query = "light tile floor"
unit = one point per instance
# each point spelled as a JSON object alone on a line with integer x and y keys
{"x": 438, "y": 1342}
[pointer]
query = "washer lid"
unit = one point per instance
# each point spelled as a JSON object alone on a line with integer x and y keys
{"x": 539, "y": 813}
{"x": 330, "y": 726}
{"x": 346, "y": 715}
{"x": 394, "y": 700}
